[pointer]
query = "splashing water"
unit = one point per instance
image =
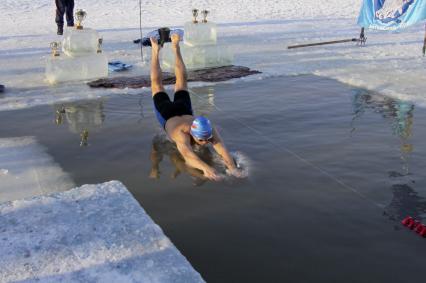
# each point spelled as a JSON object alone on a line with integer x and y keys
{"x": 241, "y": 160}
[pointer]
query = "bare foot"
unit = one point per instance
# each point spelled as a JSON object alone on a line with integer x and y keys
{"x": 154, "y": 45}
{"x": 175, "y": 39}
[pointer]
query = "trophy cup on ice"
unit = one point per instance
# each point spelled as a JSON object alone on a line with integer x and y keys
{"x": 80, "y": 15}
{"x": 55, "y": 46}
{"x": 194, "y": 16}
{"x": 204, "y": 13}
{"x": 84, "y": 138}
{"x": 100, "y": 41}
{"x": 59, "y": 115}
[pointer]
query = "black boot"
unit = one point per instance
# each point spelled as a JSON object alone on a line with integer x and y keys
{"x": 60, "y": 30}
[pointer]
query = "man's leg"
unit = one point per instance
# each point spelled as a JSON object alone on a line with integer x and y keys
{"x": 180, "y": 69}
{"x": 156, "y": 76}
{"x": 69, "y": 12}
{"x": 60, "y": 10}
{"x": 181, "y": 86}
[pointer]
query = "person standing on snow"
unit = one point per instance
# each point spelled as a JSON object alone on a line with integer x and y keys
{"x": 64, "y": 7}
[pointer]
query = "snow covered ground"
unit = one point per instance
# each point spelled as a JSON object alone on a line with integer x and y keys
{"x": 257, "y": 31}
{"x": 95, "y": 233}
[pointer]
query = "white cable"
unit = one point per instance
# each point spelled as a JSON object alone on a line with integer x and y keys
{"x": 281, "y": 147}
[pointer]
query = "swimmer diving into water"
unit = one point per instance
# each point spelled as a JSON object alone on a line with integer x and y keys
{"x": 177, "y": 117}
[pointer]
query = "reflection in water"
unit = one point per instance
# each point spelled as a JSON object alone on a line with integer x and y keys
{"x": 203, "y": 102}
{"x": 84, "y": 138}
{"x": 405, "y": 200}
{"x": 81, "y": 117}
{"x": 400, "y": 113}
{"x": 162, "y": 146}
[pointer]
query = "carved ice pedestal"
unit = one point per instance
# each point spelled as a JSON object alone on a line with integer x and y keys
{"x": 199, "y": 49}
{"x": 85, "y": 67}
{"x": 198, "y": 57}
{"x": 80, "y": 42}
{"x": 80, "y": 59}
{"x": 200, "y": 34}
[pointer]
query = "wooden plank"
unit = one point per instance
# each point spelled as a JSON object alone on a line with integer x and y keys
{"x": 217, "y": 74}
{"x": 323, "y": 43}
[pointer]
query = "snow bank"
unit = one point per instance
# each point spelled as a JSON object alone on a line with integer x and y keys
{"x": 95, "y": 233}
{"x": 258, "y": 32}
{"x": 26, "y": 170}
{"x": 31, "y": 17}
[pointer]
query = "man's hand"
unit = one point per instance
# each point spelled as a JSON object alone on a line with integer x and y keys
{"x": 236, "y": 172}
{"x": 211, "y": 174}
{"x": 154, "y": 44}
{"x": 154, "y": 174}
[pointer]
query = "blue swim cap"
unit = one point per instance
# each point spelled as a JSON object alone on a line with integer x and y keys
{"x": 201, "y": 128}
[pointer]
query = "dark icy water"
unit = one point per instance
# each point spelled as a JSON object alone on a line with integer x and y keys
{"x": 332, "y": 171}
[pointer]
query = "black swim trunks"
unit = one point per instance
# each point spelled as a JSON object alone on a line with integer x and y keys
{"x": 166, "y": 109}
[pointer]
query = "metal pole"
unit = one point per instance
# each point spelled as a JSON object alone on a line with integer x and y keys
{"x": 140, "y": 27}
{"x": 424, "y": 43}
{"x": 323, "y": 43}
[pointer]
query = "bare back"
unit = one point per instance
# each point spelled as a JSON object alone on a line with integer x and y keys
{"x": 177, "y": 128}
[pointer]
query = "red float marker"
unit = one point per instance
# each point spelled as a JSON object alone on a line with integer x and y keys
{"x": 419, "y": 228}
{"x": 407, "y": 221}
{"x": 414, "y": 224}
{"x": 422, "y": 231}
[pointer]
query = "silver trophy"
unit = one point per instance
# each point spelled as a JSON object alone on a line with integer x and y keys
{"x": 84, "y": 135}
{"x": 59, "y": 115}
{"x": 100, "y": 41}
{"x": 205, "y": 13}
{"x": 55, "y": 47}
{"x": 80, "y": 15}
{"x": 194, "y": 15}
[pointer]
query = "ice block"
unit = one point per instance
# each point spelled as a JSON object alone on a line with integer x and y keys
{"x": 198, "y": 57}
{"x": 64, "y": 68}
{"x": 197, "y": 34}
{"x": 78, "y": 42}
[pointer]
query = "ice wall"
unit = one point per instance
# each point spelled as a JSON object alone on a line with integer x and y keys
{"x": 95, "y": 233}
{"x": 198, "y": 57}
{"x": 64, "y": 68}
{"x": 82, "y": 58}
{"x": 199, "y": 49}
{"x": 200, "y": 34}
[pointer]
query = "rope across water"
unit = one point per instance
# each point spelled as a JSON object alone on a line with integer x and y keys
{"x": 281, "y": 148}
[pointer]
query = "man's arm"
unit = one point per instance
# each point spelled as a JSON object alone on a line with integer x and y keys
{"x": 156, "y": 158}
{"x": 220, "y": 148}
{"x": 181, "y": 166}
{"x": 193, "y": 160}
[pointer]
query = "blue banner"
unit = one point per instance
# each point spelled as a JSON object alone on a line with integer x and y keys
{"x": 391, "y": 14}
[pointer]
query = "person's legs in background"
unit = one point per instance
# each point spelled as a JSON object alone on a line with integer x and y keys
{"x": 60, "y": 10}
{"x": 69, "y": 12}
